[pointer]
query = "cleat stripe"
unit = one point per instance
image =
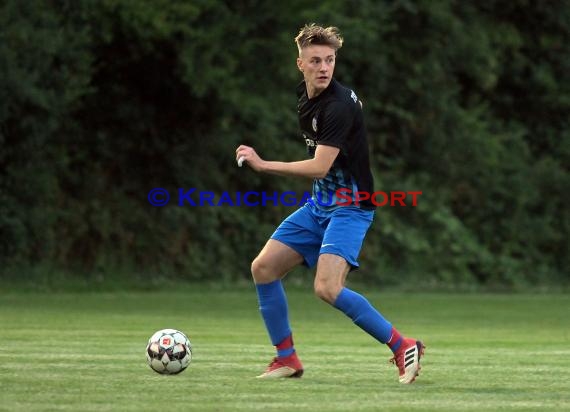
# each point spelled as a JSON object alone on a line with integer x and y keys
{"x": 411, "y": 362}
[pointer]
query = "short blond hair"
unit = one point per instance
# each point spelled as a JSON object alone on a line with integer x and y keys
{"x": 312, "y": 34}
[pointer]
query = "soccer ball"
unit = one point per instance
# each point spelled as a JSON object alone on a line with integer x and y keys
{"x": 168, "y": 352}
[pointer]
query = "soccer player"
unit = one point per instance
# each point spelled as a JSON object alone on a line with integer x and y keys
{"x": 322, "y": 232}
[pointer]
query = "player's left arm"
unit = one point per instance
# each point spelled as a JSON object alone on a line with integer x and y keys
{"x": 316, "y": 168}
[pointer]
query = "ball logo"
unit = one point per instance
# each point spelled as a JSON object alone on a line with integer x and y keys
{"x": 166, "y": 341}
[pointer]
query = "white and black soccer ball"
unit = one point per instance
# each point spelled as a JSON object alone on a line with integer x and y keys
{"x": 168, "y": 352}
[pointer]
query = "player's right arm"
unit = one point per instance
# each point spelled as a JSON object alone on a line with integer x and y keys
{"x": 315, "y": 168}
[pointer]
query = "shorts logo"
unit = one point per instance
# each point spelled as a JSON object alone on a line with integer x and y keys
{"x": 315, "y": 124}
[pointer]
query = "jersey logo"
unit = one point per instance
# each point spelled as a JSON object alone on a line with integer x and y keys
{"x": 310, "y": 142}
{"x": 315, "y": 124}
{"x": 353, "y": 96}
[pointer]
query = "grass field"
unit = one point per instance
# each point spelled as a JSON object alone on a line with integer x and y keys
{"x": 85, "y": 352}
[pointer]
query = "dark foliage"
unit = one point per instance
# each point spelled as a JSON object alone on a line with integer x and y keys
{"x": 101, "y": 101}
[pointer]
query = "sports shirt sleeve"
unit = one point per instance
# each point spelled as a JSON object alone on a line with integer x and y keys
{"x": 335, "y": 124}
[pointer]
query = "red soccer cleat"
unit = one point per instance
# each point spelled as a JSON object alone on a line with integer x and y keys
{"x": 407, "y": 359}
{"x": 286, "y": 367}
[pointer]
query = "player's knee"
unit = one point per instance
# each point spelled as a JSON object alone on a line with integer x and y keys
{"x": 326, "y": 291}
{"x": 261, "y": 271}
{"x": 257, "y": 268}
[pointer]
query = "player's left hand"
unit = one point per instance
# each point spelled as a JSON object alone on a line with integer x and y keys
{"x": 249, "y": 156}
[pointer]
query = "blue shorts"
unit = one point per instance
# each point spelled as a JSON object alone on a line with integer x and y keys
{"x": 310, "y": 232}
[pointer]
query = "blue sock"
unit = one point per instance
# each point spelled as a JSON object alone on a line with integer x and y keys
{"x": 274, "y": 310}
{"x": 363, "y": 314}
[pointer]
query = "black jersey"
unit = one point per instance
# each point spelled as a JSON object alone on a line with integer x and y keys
{"x": 334, "y": 118}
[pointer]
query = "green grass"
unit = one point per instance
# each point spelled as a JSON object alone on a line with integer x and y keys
{"x": 85, "y": 352}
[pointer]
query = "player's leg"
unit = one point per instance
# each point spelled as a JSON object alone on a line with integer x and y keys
{"x": 332, "y": 270}
{"x": 341, "y": 245}
{"x": 272, "y": 264}
{"x": 292, "y": 244}
{"x": 274, "y": 261}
